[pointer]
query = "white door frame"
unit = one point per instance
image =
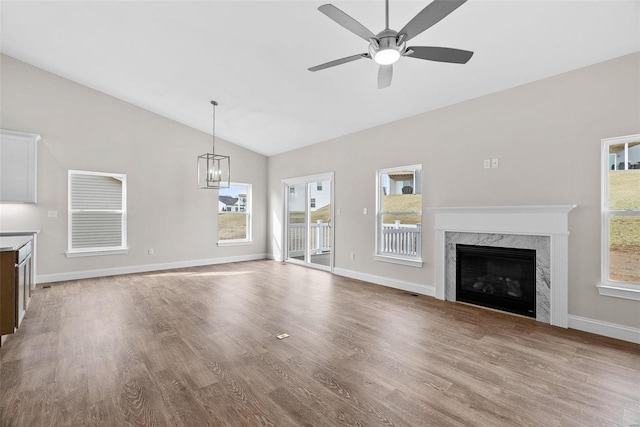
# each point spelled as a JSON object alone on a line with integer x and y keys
{"x": 328, "y": 176}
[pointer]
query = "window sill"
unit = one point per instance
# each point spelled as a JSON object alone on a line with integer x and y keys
{"x": 402, "y": 261}
{"x": 97, "y": 253}
{"x": 619, "y": 290}
{"x": 235, "y": 243}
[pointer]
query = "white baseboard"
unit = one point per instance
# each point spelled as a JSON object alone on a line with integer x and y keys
{"x": 611, "y": 330}
{"x": 385, "y": 281}
{"x": 88, "y": 274}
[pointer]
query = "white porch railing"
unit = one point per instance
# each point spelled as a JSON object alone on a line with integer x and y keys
{"x": 401, "y": 239}
{"x": 319, "y": 239}
{"x": 397, "y": 239}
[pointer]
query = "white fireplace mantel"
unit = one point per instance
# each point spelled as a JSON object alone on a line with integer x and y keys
{"x": 539, "y": 220}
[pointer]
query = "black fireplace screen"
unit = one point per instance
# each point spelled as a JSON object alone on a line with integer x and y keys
{"x": 500, "y": 278}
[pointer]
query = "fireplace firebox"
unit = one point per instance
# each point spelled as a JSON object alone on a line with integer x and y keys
{"x": 495, "y": 277}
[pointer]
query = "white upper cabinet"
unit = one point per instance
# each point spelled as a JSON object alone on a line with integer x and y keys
{"x": 18, "y": 160}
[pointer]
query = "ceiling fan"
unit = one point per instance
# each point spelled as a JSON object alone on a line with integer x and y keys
{"x": 388, "y": 45}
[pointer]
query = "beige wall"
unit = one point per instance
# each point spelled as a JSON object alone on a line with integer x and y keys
{"x": 88, "y": 130}
{"x": 547, "y": 136}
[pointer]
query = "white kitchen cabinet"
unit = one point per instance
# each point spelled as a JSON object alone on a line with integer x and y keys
{"x": 18, "y": 161}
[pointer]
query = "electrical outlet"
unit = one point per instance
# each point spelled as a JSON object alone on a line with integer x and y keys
{"x": 494, "y": 163}
{"x": 487, "y": 163}
{"x": 339, "y": 211}
{"x": 352, "y": 256}
{"x": 364, "y": 211}
{"x": 150, "y": 251}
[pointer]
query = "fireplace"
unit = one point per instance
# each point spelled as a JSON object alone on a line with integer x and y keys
{"x": 544, "y": 229}
{"x": 497, "y": 277}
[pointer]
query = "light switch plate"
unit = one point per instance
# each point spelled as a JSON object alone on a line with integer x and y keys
{"x": 487, "y": 163}
{"x": 494, "y": 163}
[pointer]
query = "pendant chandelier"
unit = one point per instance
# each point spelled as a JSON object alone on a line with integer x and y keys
{"x": 214, "y": 170}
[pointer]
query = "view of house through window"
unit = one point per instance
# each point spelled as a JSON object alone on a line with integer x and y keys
{"x": 309, "y": 236}
{"x": 621, "y": 210}
{"x": 399, "y": 212}
{"x": 234, "y": 213}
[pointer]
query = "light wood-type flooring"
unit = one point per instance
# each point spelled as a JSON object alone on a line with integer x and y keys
{"x": 198, "y": 346}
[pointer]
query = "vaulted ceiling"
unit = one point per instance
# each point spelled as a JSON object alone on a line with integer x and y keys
{"x": 172, "y": 58}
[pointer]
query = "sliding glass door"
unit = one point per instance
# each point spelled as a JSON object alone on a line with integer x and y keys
{"x": 297, "y": 222}
{"x": 308, "y": 233}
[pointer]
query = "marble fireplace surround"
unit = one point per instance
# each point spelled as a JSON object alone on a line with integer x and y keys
{"x": 541, "y": 227}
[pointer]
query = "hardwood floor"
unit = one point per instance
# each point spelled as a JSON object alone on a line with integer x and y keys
{"x": 198, "y": 347}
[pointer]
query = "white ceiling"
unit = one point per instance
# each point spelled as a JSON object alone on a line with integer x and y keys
{"x": 172, "y": 58}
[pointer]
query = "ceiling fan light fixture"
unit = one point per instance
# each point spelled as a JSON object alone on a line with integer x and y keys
{"x": 385, "y": 49}
{"x": 386, "y": 56}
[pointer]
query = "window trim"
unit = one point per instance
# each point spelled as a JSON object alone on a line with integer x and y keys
{"x": 413, "y": 261}
{"x": 248, "y": 211}
{"x": 97, "y": 251}
{"x": 608, "y": 287}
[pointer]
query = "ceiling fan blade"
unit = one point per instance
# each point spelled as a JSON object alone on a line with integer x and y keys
{"x": 346, "y": 21}
{"x": 429, "y": 16}
{"x": 385, "y": 74}
{"x": 440, "y": 54}
{"x": 339, "y": 61}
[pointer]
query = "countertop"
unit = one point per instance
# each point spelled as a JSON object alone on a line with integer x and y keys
{"x": 13, "y": 243}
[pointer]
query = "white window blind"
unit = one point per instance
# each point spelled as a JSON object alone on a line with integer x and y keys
{"x": 97, "y": 211}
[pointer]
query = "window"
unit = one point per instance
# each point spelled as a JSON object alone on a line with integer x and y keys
{"x": 234, "y": 215}
{"x": 621, "y": 217}
{"x": 319, "y": 186}
{"x": 97, "y": 213}
{"x": 399, "y": 215}
{"x": 313, "y": 202}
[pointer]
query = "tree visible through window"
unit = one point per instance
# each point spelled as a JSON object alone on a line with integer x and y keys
{"x": 621, "y": 209}
{"x": 234, "y": 213}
